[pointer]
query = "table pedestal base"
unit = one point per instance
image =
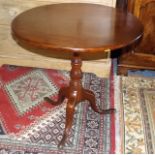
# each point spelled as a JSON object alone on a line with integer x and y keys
{"x": 75, "y": 93}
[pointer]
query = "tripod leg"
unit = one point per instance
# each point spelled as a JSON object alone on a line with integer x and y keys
{"x": 69, "y": 119}
{"x": 61, "y": 97}
{"x": 90, "y": 96}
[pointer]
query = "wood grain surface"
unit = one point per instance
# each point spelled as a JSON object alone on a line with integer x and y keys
{"x": 78, "y": 27}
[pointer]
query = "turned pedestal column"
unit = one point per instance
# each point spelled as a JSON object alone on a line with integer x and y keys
{"x": 75, "y": 93}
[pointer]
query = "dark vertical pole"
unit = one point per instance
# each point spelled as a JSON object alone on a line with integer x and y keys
{"x": 122, "y": 4}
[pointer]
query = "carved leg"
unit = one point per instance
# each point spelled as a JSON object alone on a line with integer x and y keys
{"x": 90, "y": 96}
{"x": 69, "y": 119}
{"x": 61, "y": 97}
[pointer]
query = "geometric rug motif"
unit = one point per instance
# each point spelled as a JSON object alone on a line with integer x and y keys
{"x": 22, "y": 95}
{"x": 29, "y": 90}
{"x": 41, "y": 127}
{"x": 139, "y": 115}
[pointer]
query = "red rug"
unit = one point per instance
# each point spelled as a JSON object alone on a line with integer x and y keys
{"x": 28, "y": 124}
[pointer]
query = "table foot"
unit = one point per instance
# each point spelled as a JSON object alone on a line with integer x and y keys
{"x": 90, "y": 96}
{"x": 61, "y": 97}
{"x": 70, "y": 109}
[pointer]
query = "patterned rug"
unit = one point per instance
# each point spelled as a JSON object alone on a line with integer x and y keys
{"x": 28, "y": 124}
{"x": 138, "y": 104}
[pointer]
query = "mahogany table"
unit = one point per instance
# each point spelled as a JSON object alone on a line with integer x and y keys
{"x": 75, "y": 29}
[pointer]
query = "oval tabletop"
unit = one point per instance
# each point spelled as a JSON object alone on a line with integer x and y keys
{"x": 76, "y": 27}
